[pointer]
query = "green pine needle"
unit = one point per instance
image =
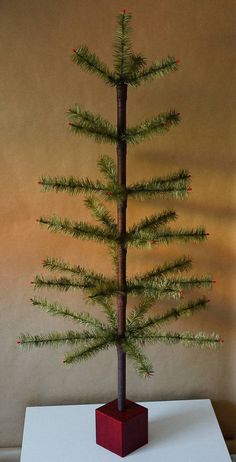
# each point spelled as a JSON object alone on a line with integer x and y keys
{"x": 187, "y": 339}
{"x": 78, "y": 230}
{"x": 85, "y": 122}
{"x": 183, "y": 310}
{"x": 56, "y": 309}
{"x": 101, "y": 213}
{"x": 108, "y": 168}
{"x": 90, "y": 62}
{"x": 179, "y": 265}
{"x": 86, "y": 352}
{"x": 98, "y": 290}
{"x": 156, "y": 289}
{"x": 153, "y": 222}
{"x": 175, "y": 185}
{"x": 56, "y": 339}
{"x": 136, "y": 64}
{"x": 149, "y": 238}
{"x": 61, "y": 283}
{"x": 157, "y": 69}
{"x": 72, "y": 185}
{"x": 109, "y": 311}
{"x": 122, "y": 47}
{"x": 142, "y": 364}
{"x": 138, "y": 313}
{"x": 158, "y": 125}
{"x": 57, "y": 264}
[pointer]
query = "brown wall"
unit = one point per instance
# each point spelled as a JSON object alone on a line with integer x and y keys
{"x": 38, "y": 84}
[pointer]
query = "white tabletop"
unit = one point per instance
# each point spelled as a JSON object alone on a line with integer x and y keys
{"x": 179, "y": 431}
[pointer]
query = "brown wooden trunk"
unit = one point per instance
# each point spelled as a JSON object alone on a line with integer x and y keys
{"x": 121, "y": 223}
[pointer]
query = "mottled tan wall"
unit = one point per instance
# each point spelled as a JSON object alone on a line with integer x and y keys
{"x": 38, "y": 83}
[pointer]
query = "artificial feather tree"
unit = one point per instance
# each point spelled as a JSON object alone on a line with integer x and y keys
{"x": 128, "y": 332}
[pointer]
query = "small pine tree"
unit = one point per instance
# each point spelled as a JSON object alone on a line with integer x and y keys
{"x": 127, "y": 333}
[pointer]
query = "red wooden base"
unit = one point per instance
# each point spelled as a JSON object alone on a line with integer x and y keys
{"x": 121, "y": 432}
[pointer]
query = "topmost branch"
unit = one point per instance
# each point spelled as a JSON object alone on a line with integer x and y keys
{"x": 129, "y": 67}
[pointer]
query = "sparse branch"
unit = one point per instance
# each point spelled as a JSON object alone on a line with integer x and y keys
{"x": 166, "y": 236}
{"x": 61, "y": 283}
{"x": 175, "y": 185}
{"x": 179, "y": 265}
{"x": 187, "y": 339}
{"x": 155, "y": 70}
{"x": 152, "y": 223}
{"x": 102, "y": 214}
{"x": 158, "y": 125}
{"x": 122, "y": 47}
{"x": 79, "y": 230}
{"x": 108, "y": 168}
{"x": 141, "y": 363}
{"x": 171, "y": 315}
{"x": 57, "y": 264}
{"x": 85, "y": 122}
{"x": 90, "y": 62}
{"x": 72, "y": 185}
{"x": 86, "y": 352}
{"x": 109, "y": 311}
{"x": 139, "y": 311}
{"x": 56, "y": 309}
{"x": 56, "y": 339}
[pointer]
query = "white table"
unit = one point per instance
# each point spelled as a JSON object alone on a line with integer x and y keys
{"x": 179, "y": 431}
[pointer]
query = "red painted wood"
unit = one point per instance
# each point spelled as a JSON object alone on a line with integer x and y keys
{"x": 122, "y": 432}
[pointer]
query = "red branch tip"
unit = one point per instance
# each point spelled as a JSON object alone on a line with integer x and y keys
{"x": 207, "y": 234}
{"x": 222, "y": 340}
{"x": 177, "y": 61}
{"x": 153, "y": 242}
{"x": 124, "y": 11}
{"x": 109, "y": 193}
{"x": 18, "y": 342}
{"x": 214, "y": 282}
{"x": 74, "y": 50}
{"x": 190, "y": 189}
{"x": 69, "y": 123}
{"x": 208, "y": 301}
{"x": 181, "y": 293}
{"x": 39, "y": 182}
{"x": 31, "y": 282}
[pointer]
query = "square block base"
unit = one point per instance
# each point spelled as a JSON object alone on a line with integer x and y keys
{"x": 121, "y": 432}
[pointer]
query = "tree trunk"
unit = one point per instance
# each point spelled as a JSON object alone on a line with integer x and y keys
{"x": 121, "y": 224}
